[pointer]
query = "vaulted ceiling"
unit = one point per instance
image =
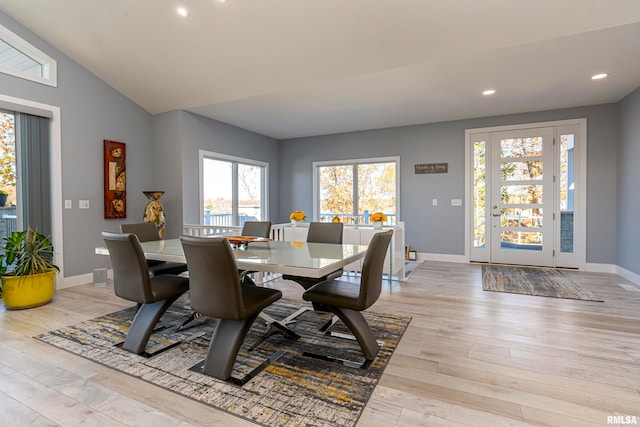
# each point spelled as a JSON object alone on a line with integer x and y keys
{"x": 294, "y": 68}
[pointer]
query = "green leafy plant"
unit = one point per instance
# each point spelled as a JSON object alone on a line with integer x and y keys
{"x": 26, "y": 253}
{"x": 4, "y": 192}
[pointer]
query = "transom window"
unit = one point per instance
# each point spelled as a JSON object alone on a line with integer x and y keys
{"x": 233, "y": 189}
{"x": 19, "y": 58}
{"x": 354, "y": 189}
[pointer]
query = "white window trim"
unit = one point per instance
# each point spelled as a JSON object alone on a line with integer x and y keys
{"x": 316, "y": 165}
{"x": 49, "y": 65}
{"x": 202, "y": 154}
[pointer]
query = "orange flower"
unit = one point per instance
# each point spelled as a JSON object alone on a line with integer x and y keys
{"x": 298, "y": 216}
{"x": 378, "y": 216}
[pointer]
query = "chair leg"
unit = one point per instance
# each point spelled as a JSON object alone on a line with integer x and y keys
{"x": 357, "y": 324}
{"x": 225, "y": 344}
{"x": 143, "y": 324}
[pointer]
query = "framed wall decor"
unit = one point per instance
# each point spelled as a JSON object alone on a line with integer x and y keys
{"x": 115, "y": 180}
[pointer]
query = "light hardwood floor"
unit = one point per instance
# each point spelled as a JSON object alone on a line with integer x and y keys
{"x": 468, "y": 358}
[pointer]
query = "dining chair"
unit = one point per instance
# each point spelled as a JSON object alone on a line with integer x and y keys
{"x": 257, "y": 229}
{"x": 347, "y": 299}
{"x": 319, "y": 232}
{"x": 254, "y": 229}
{"x": 216, "y": 292}
{"x": 146, "y": 232}
{"x": 132, "y": 281}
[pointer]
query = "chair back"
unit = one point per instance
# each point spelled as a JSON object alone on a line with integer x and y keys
{"x": 325, "y": 232}
{"x": 146, "y": 231}
{"x": 372, "y": 267}
{"x": 257, "y": 228}
{"x": 130, "y": 272}
{"x": 214, "y": 282}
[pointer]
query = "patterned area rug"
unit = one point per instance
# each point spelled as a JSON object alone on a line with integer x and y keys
{"x": 539, "y": 281}
{"x": 295, "y": 390}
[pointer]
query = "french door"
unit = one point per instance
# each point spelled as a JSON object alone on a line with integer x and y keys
{"x": 525, "y": 185}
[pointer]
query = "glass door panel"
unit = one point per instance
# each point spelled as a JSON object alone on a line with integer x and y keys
{"x": 217, "y": 184}
{"x": 520, "y": 232}
{"x": 249, "y": 193}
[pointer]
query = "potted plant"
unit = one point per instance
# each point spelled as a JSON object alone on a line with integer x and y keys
{"x": 27, "y": 271}
{"x": 377, "y": 219}
{"x": 297, "y": 217}
{"x": 3, "y": 197}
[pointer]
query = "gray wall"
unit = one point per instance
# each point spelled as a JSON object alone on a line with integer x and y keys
{"x": 628, "y": 237}
{"x": 91, "y": 111}
{"x": 441, "y": 229}
{"x": 167, "y": 169}
{"x": 162, "y": 154}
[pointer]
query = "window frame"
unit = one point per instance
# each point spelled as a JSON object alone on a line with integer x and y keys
{"x": 49, "y": 65}
{"x": 355, "y": 163}
{"x": 234, "y": 160}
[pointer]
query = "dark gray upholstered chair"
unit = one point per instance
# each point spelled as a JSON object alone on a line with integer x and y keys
{"x": 146, "y": 232}
{"x": 254, "y": 229}
{"x": 320, "y": 232}
{"x": 257, "y": 229}
{"x": 216, "y": 292}
{"x": 348, "y": 299}
{"x": 131, "y": 281}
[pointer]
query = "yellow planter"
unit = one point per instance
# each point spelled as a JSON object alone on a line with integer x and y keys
{"x": 28, "y": 291}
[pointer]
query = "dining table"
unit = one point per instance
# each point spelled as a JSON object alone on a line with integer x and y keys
{"x": 271, "y": 256}
{"x": 306, "y": 259}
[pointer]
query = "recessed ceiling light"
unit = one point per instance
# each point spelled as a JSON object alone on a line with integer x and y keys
{"x": 489, "y": 92}
{"x": 182, "y": 11}
{"x": 599, "y": 76}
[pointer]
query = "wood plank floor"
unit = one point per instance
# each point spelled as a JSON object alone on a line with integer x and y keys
{"x": 468, "y": 358}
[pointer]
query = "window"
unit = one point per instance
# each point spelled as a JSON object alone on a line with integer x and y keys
{"x": 233, "y": 190}
{"x": 8, "y": 213}
{"x": 354, "y": 189}
{"x": 19, "y": 58}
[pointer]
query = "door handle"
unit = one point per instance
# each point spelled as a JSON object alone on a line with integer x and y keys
{"x": 495, "y": 214}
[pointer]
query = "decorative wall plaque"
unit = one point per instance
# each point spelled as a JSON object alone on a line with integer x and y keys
{"x": 432, "y": 168}
{"x": 115, "y": 180}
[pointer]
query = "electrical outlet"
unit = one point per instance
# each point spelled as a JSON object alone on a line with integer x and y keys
{"x": 434, "y": 202}
{"x": 83, "y": 204}
{"x": 68, "y": 204}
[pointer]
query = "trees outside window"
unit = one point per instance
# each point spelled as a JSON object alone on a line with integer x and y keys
{"x": 352, "y": 190}
{"x": 8, "y": 156}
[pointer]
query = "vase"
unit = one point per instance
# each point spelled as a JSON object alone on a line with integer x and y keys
{"x": 377, "y": 225}
{"x": 297, "y": 223}
{"x": 153, "y": 212}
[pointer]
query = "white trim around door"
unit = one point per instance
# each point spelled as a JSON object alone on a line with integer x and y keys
{"x": 563, "y": 227}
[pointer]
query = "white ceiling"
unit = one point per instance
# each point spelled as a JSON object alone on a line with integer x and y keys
{"x": 294, "y": 68}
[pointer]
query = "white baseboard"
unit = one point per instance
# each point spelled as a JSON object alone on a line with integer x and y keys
{"x": 600, "y": 268}
{"x": 82, "y": 279}
{"x": 441, "y": 257}
{"x": 629, "y": 275}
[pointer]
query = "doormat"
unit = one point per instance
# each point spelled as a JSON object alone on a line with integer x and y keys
{"x": 295, "y": 390}
{"x": 538, "y": 281}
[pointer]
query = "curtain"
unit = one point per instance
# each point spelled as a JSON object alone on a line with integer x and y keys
{"x": 32, "y": 141}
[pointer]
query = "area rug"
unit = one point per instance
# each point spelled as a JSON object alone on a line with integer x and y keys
{"x": 295, "y": 390}
{"x": 538, "y": 281}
